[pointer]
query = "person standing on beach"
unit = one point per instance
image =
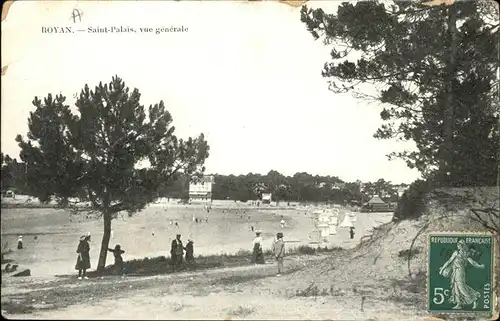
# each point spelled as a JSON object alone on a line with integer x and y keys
{"x": 20, "y": 242}
{"x": 177, "y": 251}
{"x": 189, "y": 252}
{"x": 279, "y": 251}
{"x": 83, "y": 259}
{"x": 258, "y": 254}
{"x": 351, "y": 232}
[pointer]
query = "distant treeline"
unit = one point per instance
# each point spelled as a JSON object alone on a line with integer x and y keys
{"x": 301, "y": 187}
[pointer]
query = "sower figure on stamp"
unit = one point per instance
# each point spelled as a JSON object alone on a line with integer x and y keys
{"x": 455, "y": 268}
{"x": 176, "y": 252}
{"x": 279, "y": 251}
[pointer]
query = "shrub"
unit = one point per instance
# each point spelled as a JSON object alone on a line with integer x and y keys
{"x": 5, "y": 251}
{"x": 311, "y": 291}
{"x": 242, "y": 252}
{"x": 268, "y": 252}
{"x": 412, "y": 202}
{"x": 305, "y": 249}
{"x": 409, "y": 253}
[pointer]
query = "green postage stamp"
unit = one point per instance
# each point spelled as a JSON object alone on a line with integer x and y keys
{"x": 461, "y": 273}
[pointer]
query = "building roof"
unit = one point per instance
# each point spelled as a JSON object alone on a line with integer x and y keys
{"x": 375, "y": 200}
{"x": 203, "y": 179}
{"x": 197, "y": 193}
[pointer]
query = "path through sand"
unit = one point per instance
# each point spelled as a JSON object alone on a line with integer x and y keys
{"x": 249, "y": 292}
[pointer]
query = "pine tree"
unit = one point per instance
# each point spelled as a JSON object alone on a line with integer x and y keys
{"x": 434, "y": 72}
{"x": 95, "y": 154}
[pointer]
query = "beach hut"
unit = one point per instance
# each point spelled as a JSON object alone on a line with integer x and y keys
{"x": 324, "y": 229}
{"x": 333, "y": 222}
{"x": 324, "y": 217}
{"x": 314, "y": 236}
{"x": 376, "y": 204}
{"x": 346, "y": 222}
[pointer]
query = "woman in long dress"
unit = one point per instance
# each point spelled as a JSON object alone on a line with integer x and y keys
{"x": 83, "y": 259}
{"x": 455, "y": 267}
{"x": 258, "y": 254}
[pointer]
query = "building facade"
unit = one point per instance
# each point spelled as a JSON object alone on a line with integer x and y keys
{"x": 200, "y": 190}
{"x": 267, "y": 198}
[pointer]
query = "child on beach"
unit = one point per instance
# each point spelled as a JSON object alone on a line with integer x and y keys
{"x": 189, "y": 252}
{"x": 117, "y": 252}
{"x": 20, "y": 242}
{"x": 279, "y": 251}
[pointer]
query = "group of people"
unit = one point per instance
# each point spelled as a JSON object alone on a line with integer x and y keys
{"x": 198, "y": 220}
{"x": 83, "y": 258}
{"x": 20, "y": 244}
{"x": 177, "y": 252}
{"x": 278, "y": 249}
{"x": 172, "y": 222}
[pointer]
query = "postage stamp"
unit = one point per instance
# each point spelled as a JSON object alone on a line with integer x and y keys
{"x": 461, "y": 273}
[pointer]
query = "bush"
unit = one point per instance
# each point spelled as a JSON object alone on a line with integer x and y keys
{"x": 305, "y": 249}
{"x": 163, "y": 265}
{"x": 242, "y": 252}
{"x": 409, "y": 253}
{"x": 412, "y": 202}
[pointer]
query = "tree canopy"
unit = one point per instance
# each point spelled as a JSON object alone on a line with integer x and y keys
{"x": 301, "y": 187}
{"x": 108, "y": 152}
{"x": 432, "y": 70}
{"x": 13, "y": 175}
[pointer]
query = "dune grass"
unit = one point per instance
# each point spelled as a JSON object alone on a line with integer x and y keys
{"x": 163, "y": 265}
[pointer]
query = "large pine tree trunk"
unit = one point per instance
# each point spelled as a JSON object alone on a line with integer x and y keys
{"x": 105, "y": 242}
{"x": 446, "y": 158}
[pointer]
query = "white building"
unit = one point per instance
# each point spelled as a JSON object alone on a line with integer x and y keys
{"x": 267, "y": 198}
{"x": 401, "y": 189}
{"x": 200, "y": 190}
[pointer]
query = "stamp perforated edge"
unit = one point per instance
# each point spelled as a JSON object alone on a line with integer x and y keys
{"x": 494, "y": 310}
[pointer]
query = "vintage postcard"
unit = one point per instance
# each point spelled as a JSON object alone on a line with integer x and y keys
{"x": 256, "y": 160}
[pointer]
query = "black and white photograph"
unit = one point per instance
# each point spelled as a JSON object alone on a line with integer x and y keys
{"x": 250, "y": 160}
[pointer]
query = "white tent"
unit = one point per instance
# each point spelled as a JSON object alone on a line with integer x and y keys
{"x": 314, "y": 236}
{"x": 346, "y": 222}
{"x": 324, "y": 217}
{"x": 333, "y": 222}
{"x": 324, "y": 229}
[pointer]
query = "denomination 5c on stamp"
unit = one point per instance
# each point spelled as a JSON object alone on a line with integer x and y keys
{"x": 461, "y": 273}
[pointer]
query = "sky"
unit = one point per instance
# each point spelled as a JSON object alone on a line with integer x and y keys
{"x": 247, "y": 75}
